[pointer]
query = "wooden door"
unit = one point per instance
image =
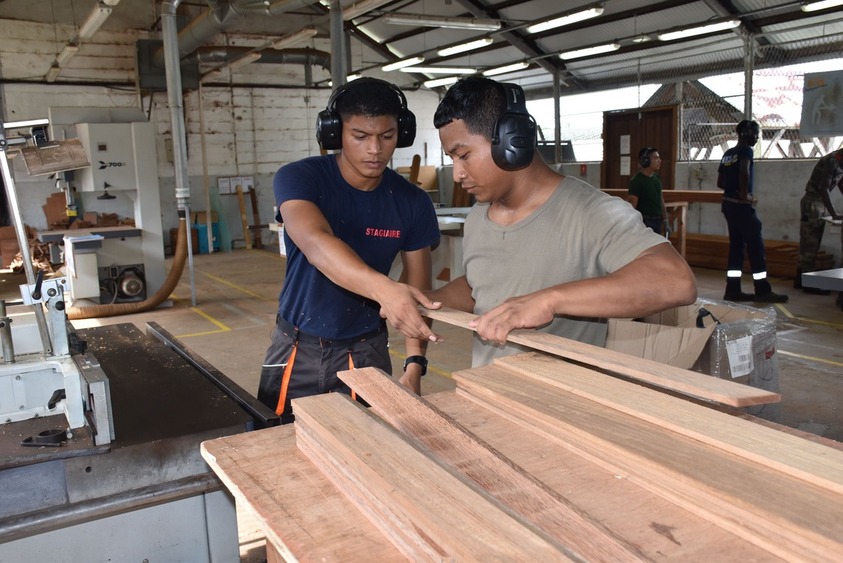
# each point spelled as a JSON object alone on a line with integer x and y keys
{"x": 625, "y": 132}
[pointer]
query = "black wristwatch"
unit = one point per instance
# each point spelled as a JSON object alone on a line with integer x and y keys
{"x": 421, "y": 360}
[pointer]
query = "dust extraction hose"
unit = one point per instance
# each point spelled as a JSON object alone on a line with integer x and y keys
{"x": 111, "y": 310}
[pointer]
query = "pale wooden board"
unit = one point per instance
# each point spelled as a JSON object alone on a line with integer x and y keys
{"x": 784, "y": 452}
{"x": 426, "y": 509}
{"x": 304, "y": 517}
{"x": 654, "y": 373}
{"x": 451, "y": 443}
{"x": 660, "y": 528}
{"x": 781, "y": 514}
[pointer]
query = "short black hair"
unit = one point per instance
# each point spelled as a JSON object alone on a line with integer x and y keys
{"x": 476, "y": 100}
{"x": 746, "y": 124}
{"x": 369, "y": 97}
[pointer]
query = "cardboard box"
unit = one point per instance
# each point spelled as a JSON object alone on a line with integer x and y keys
{"x": 671, "y": 337}
{"x": 717, "y": 338}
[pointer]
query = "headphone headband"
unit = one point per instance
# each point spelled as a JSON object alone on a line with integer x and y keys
{"x": 329, "y": 121}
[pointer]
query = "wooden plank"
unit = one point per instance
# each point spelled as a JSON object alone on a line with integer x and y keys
{"x": 663, "y": 530}
{"x": 243, "y": 220}
{"x": 451, "y": 443}
{"x": 782, "y": 514}
{"x": 302, "y": 515}
{"x": 428, "y": 511}
{"x": 790, "y": 454}
{"x": 654, "y": 373}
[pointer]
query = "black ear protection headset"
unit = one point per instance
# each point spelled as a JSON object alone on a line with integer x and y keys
{"x": 329, "y": 122}
{"x": 644, "y": 156}
{"x": 514, "y": 140}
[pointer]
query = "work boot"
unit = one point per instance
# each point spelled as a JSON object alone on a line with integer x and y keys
{"x": 734, "y": 293}
{"x": 764, "y": 293}
{"x": 738, "y": 297}
{"x": 770, "y": 297}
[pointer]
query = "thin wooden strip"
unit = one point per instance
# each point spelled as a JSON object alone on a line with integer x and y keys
{"x": 783, "y": 515}
{"x": 292, "y": 500}
{"x": 811, "y": 461}
{"x": 478, "y": 461}
{"x": 662, "y": 375}
{"x": 428, "y": 511}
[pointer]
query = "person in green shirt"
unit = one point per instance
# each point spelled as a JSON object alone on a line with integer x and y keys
{"x": 645, "y": 191}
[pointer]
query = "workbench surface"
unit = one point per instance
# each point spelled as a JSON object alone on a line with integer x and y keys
{"x": 306, "y": 518}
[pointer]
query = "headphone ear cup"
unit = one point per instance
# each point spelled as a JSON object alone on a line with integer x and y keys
{"x": 644, "y": 161}
{"x": 329, "y": 130}
{"x": 406, "y": 128}
{"x": 514, "y": 142}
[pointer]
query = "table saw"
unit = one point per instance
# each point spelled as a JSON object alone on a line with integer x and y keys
{"x": 100, "y": 460}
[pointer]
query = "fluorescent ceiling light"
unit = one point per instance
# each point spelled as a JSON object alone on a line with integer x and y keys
{"x": 565, "y": 20}
{"x": 352, "y": 77}
{"x": 360, "y": 8}
{"x": 95, "y": 19}
{"x": 462, "y": 48}
{"x": 439, "y": 21}
{"x": 701, "y": 30}
{"x": 507, "y": 68}
{"x": 441, "y": 81}
{"x": 599, "y": 49}
{"x": 402, "y": 64}
{"x": 26, "y": 123}
{"x": 52, "y": 74}
{"x": 246, "y": 59}
{"x": 440, "y": 70}
{"x": 293, "y": 38}
{"x": 821, "y": 5}
{"x": 67, "y": 53}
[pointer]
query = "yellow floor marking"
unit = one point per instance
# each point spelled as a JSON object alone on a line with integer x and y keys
{"x": 811, "y": 358}
{"x": 235, "y": 286}
{"x": 210, "y": 319}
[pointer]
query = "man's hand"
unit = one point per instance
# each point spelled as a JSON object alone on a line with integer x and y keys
{"x": 527, "y": 311}
{"x": 399, "y": 305}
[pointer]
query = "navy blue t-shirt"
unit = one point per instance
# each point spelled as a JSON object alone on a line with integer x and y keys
{"x": 731, "y": 170}
{"x": 396, "y": 216}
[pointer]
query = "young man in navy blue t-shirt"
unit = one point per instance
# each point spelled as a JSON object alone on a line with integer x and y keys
{"x": 346, "y": 218}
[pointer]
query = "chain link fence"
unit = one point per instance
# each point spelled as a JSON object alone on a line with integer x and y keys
{"x": 712, "y": 97}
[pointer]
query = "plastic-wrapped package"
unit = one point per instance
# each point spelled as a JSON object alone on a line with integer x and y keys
{"x": 742, "y": 348}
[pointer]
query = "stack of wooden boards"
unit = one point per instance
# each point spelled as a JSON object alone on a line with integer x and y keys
{"x": 712, "y": 251}
{"x": 532, "y": 458}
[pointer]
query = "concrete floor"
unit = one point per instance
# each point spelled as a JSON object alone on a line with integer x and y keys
{"x": 235, "y": 301}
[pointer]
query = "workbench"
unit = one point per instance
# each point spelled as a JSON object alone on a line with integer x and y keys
{"x": 824, "y": 279}
{"x": 657, "y": 477}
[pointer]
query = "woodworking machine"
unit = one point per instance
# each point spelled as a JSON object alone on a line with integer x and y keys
{"x": 100, "y": 431}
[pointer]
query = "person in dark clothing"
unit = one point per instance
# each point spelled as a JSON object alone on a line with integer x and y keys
{"x": 645, "y": 191}
{"x": 735, "y": 178}
{"x": 346, "y": 217}
{"x": 815, "y": 205}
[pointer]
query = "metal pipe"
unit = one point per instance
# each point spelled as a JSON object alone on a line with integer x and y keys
{"x": 54, "y": 518}
{"x": 6, "y": 335}
{"x": 338, "y": 68}
{"x": 174, "y": 98}
{"x": 14, "y": 206}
